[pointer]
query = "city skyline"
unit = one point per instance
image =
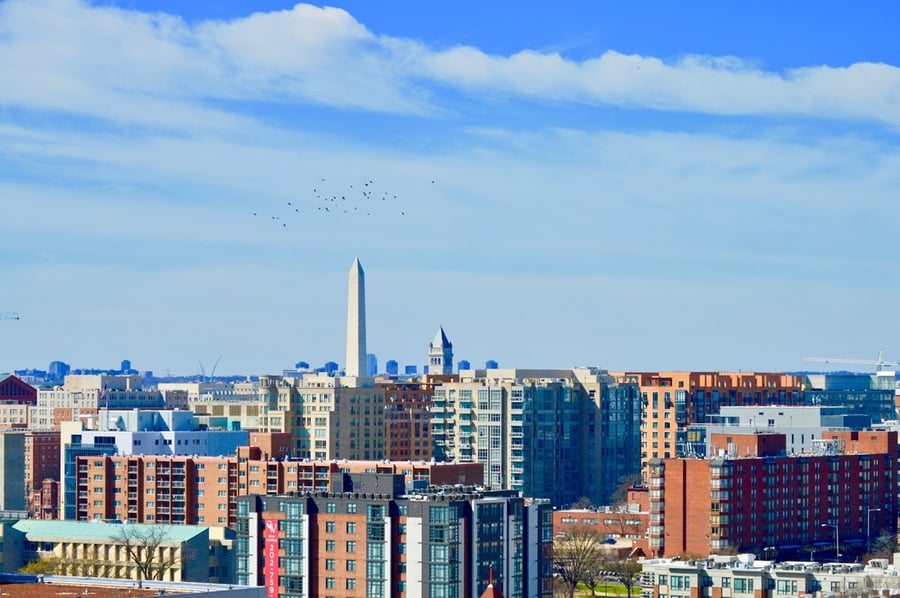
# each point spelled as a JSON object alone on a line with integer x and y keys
{"x": 683, "y": 188}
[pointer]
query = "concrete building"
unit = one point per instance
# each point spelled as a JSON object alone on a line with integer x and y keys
{"x": 555, "y": 434}
{"x": 801, "y": 425}
{"x": 85, "y": 395}
{"x": 756, "y": 496}
{"x": 370, "y": 537}
{"x": 328, "y": 417}
{"x": 172, "y": 553}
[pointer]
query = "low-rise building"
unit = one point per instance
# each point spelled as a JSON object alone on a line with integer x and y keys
{"x": 122, "y": 551}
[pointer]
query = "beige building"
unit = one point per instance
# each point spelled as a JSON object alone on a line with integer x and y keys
{"x": 167, "y": 552}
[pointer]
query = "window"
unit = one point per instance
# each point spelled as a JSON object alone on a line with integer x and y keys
{"x": 351, "y": 527}
{"x": 351, "y": 507}
{"x": 743, "y": 585}
{"x": 329, "y": 527}
{"x": 329, "y": 582}
{"x": 351, "y": 584}
{"x": 329, "y": 545}
{"x": 330, "y": 507}
{"x": 351, "y": 546}
{"x": 351, "y": 565}
{"x": 330, "y": 564}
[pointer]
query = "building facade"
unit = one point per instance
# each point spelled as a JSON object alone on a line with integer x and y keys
{"x": 371, "y": 538}
{"x": 755, "y": 496}
{"x": 671, "y": 401}
{"x": 555, "y": 434}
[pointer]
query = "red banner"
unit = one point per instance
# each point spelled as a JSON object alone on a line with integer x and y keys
{"x": 270, "y": 535}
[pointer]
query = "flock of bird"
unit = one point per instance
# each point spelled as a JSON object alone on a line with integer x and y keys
{"x": 359, "y": 199}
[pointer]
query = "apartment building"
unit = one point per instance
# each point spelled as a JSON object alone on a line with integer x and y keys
{"x": 753, "y": 495}
{"x": 555, "y": 434}
{"x": 373, "y": 538}
{"x": 733, "y": 576}
{"x": 134, "y": 433}
{"x": 190, "y": 489}
{"x": 671, "y": 401}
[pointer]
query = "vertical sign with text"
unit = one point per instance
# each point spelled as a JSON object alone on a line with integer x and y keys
{"x": 270, "y": 536}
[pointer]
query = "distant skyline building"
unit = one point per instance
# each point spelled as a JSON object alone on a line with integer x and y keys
{"x": 464, "y": 364}
{"x": 410, "y": 370}
{"x": 59, "y": 369}
{"x": 371, "y": 364}
{"x": 391, "y": 367}
{"x": 491, "y": 364}
{"x": 440, "y": 354}
{"x": 355, "y": 364}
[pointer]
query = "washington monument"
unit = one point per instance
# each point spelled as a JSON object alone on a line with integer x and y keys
{"x": 356, "y": 322}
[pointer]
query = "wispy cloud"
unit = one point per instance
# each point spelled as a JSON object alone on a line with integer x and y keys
{"x": 154, "y": 69}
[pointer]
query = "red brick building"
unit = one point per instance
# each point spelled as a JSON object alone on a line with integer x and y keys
{"x": 407, "y": 417}
{"x": 755, "y": 497}
{"x": 196, "y": 490}
{"x": 626, "y": 527}
{"x": 15, "y": 390}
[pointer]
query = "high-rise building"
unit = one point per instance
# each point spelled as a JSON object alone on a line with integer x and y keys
{"x": 672, "y": 401}
{"x": 371, "y": 536}
{"x": 555, "y": 434}
{"x": 440, "y": 354}
{"x": 371, "y": 364}
{"x": 752, "y": 495}
{"x": 356, "y": 322}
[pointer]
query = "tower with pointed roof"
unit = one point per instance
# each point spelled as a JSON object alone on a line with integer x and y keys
{"x": 440, "y": 354}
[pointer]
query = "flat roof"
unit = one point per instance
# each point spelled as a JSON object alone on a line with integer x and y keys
{"x": 101, "y": 531}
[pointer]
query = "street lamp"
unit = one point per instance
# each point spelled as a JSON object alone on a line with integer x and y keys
{"x": 837, "y": 541}
{"x": 869, "y": 528}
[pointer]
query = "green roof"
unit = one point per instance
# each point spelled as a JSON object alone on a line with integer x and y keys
{"x": 40, "y": 530}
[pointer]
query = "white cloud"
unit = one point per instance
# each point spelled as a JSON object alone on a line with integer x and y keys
{"x": 154, "y": 69}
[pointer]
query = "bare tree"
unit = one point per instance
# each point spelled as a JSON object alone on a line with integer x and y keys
{"x": 626, "y": 482}
{"x": 577, "y": 553}
{"x": 145, "y": 547}
{"x": 627, "y": 572}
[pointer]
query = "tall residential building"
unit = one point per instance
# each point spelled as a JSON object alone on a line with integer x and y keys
{"x": 372, "y": 537}
{"x": 356, "y": 321}
{"x": 755, "y": 496}
{"x": 555, "y": 434}
{"x": 407, "y": 416}
{"x": 135, "y": 432}
{"x": 440, "y": 354}
{"x": 672, "y": 401}
{"x": 203, "y": 490}
{"x": 328, "y": 417}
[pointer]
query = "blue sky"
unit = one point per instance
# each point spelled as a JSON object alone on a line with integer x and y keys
{"x": 626, "y": 185}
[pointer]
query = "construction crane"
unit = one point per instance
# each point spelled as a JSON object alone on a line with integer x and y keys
{"x": 879, "y": 362}
{"x": 9, "y": 315}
